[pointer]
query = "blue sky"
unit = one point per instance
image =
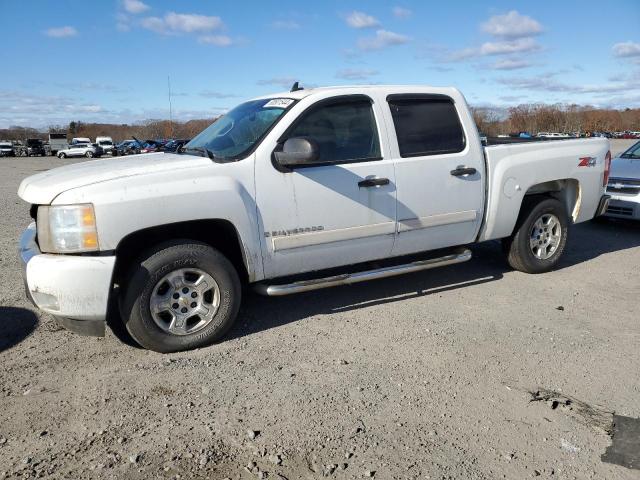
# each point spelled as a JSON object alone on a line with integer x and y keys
{"x": 109, "y": 60}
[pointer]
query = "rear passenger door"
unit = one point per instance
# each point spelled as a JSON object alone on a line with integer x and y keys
{"x": 439, "y": 173}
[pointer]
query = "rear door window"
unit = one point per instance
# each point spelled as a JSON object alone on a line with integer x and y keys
{"x": 426, "y": 125}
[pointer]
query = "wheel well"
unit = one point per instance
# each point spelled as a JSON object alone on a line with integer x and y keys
{"x": 566, "y": 191}
{"x": 220, "y": 234}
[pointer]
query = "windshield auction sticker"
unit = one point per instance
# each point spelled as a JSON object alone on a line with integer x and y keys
{"x": 278, "y": 103}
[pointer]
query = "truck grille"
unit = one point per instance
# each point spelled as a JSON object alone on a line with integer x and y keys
{"x": 627, "y": 186}
{"x": 616, "y": 210}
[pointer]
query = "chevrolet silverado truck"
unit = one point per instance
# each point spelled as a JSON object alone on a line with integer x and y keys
{"x": 294, "y": 192}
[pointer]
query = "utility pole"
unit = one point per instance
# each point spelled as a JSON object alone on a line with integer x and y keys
{"x": 170, "y": 110}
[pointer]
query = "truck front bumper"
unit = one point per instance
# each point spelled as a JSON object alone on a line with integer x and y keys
{"x": 73, "y": 288}
{"x": 624, "y": 207}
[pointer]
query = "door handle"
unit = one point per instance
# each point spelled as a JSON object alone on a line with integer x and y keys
{"x": 373, "y": 182}
{"x": 462, "y": 170}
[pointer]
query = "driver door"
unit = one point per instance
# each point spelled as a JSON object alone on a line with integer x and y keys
{"x": 339, "y": 209}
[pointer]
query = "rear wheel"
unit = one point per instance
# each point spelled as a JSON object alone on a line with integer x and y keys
{"x": 181, "y": 296}
{"x": 540, "y": 236}
{"x": 62, "y": 155}
{"x": 89, "y": 154}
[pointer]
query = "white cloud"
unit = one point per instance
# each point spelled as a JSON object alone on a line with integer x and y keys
{"x": 217, "y": 40}
{"x": 173, "y": 23}
{"x": 382, "y": 39}
{"x": 188, "y": 22}
{"x": 626, "y": 49}
{"x": 512, "y": 25}
{"x": 285, "y": 25}
{"x": 548, "y": 83}
{"x": 214, "y": 94}
{"x": 361, "y": 20}
{"x": 356, "y": 74}
{"x": 400, "y": 12}
{"x": 155, "y": 24}
{"x": 61, "y": 32}
{"x": 135, "y": 6}
{"x": 521, "y": 45}
{"x": 509, "y": 64}
{"x": 284, "y": 82}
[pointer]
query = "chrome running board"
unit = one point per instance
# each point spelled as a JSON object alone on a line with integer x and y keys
{"x": 349, "y": 278}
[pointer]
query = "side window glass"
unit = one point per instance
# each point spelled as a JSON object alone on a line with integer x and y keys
{"x": 426, "y": 126}
{"x": 344, "y": 131}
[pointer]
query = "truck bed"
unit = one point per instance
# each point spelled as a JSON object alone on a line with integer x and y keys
{"x": 518, "y": 168}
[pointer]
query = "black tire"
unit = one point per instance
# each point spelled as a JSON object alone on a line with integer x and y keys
{"x": 520, "y": 254}
{"x": 62, "y": 155}
{"x": 151, "y": 268}
{"x": 89, "y": 154}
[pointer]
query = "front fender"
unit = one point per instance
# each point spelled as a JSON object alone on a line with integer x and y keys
{"x": 126, "y": 205}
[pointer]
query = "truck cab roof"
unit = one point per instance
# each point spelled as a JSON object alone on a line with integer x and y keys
{"x": 363, "y": 89}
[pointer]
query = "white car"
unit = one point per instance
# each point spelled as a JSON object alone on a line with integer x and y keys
{"x": 293, "y": 192}
{"x": 7, "y": 149}
{"x": 80, "y": 150}
{"x": 552, "y": 135}
{"x": 624, "y": 185}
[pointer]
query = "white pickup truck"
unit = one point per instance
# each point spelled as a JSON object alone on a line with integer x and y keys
{"x": 294, "y": 192}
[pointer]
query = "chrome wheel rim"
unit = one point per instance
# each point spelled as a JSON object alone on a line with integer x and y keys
{"x": 184, "y": 301}
{"x": 545, "y": 237}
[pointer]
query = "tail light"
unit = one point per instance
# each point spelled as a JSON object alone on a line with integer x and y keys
{"x": 607, "y": 169}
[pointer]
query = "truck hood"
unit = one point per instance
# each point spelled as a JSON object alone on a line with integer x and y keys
{"x": 43, "y": 187}
{"x": 625, "y": 168}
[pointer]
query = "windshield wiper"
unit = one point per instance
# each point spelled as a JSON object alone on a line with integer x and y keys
{"x": 205, "y": 152}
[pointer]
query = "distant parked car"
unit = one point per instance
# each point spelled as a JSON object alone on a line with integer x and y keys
{"x": 128, "y": 147}
{"x": 631, "y": 135}
{"x": 88, "y": 150}
{"x": 151, "y": 146}
{"x": 174, "y": 145}
{"x": 552, "y": 135}
{"x": 7, "y": 150}
{"x": 624, "y": 185}
{"x": 31, "y": 148}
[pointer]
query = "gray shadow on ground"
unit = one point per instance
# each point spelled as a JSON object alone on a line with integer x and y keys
{"x": 16, "y": 324}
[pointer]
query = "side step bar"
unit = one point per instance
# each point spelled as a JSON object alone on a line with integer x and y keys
{"x": 349, "y": 278}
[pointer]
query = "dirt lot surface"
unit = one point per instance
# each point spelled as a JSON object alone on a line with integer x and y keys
{"x": 471, "y": 371}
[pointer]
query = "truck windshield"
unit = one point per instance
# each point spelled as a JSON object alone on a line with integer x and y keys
{"x": 240, "y": 130}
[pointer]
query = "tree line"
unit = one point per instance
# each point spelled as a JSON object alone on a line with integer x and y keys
{"x": 534, "y": 118}
{"x": 150, "y": 129}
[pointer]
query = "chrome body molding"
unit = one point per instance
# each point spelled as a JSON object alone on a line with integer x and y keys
{"x": 330, "y": 236}
{"x": 437, "y": 220}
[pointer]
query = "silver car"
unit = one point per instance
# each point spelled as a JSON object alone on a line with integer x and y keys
{"x": 624, "y": 185}
{"x": 80, "y": 150}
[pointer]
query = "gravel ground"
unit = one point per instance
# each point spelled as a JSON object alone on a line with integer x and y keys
{"x": 429, "y": 375}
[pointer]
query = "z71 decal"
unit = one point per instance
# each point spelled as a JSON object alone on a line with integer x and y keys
{"x": 587, "y": 162}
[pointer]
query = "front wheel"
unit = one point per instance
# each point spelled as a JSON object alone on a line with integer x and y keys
{"x": 89, "y": 154}
{"x": 181, "y": 296}
{"x": 540, "y": 236}
{"x": 62, "y": 155}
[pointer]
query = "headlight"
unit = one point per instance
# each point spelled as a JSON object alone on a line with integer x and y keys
{"x": 67, "y": 229}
